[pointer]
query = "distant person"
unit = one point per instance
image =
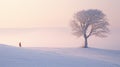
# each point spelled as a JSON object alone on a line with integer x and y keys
{"x": 20, "y": 44}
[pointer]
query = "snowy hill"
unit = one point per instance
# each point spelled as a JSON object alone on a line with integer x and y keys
{"x": 59, "y": 57}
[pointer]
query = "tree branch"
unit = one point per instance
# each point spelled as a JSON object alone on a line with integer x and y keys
{"x": 90, "y": 32}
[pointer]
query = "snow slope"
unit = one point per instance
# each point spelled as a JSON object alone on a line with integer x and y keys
{"x": 59, "y": 57}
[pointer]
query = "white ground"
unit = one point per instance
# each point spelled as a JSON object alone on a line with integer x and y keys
{"x": 59, "y": 57}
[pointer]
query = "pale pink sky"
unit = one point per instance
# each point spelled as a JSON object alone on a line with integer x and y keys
{"x": 52, "y": 13}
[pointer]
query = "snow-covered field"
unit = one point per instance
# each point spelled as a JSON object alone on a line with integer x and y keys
{"x": 58, "y": 57}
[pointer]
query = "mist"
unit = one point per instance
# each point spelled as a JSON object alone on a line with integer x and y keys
{"x": 54, "y": 37}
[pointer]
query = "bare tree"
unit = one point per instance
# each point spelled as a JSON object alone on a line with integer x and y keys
{"x": 89, "y": 22}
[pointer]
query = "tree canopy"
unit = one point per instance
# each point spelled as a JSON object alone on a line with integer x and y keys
{"x": 90, "y": 22}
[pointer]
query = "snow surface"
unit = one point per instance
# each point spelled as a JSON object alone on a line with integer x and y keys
{"x": 58, "y": 57}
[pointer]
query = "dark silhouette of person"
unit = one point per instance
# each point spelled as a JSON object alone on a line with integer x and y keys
{"x": 20, "y": 44}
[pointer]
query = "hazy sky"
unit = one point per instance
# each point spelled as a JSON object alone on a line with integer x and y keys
{"x": 52, "y": 13}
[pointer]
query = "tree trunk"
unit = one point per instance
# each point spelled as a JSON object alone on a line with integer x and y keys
{"x": 85, "y": 41}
